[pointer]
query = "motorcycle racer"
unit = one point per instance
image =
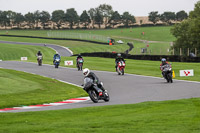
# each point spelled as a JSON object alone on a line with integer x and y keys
{"x": 117, "y": 59}
{"x": 162, "y": 64}
{"x": 89, "y": 74}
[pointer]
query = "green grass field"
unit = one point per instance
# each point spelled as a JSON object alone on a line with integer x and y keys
{"x": 19, "y": 88}
{"x": 76, "y": 47}
{"x": 180, "y": 116}
{"x": 151, "y": 33}
{"x": 15, "y": 52}
{"x": 84, "y": 47}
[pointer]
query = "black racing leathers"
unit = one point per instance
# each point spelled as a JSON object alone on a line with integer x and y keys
{"x": 95, "y": 80}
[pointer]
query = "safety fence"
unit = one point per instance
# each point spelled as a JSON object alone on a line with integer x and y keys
{"x": 71, "y": 39}
{"x": 82, "y": 36}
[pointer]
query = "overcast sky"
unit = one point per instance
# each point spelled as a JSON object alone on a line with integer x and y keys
{"x": 135, "y": 7}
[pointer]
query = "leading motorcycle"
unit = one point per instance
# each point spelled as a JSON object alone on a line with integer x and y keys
{"x": 167, "y": 72}
{"x": 95, "y": 92}
{"x": 120, "y": 67}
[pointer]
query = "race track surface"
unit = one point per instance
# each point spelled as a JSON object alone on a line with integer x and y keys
{"x": 127, "y": 89}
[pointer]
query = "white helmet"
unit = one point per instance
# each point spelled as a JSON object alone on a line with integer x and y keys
{"x": 119, "y": 55}
{"x": 86, "y": 72}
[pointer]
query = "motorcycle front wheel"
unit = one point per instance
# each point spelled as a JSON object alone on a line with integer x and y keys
{"x": 170, "y": 77}
{"x": 39, "y": 62}
{"x": 93, "y": 96}
{"x": 106, "y": 97}
{"x": 56, "y": 66}
{"x": 122, "y": 71}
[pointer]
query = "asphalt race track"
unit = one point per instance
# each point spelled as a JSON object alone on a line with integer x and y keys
{"x": 126, "y": 89}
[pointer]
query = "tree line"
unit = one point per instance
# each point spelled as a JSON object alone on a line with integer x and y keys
{"x": 167, "y": 17}
{"x": 187, "y": 33}
{"x": 101, "y": 15}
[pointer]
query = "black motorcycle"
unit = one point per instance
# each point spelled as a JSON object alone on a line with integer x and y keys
{"x": 167, "y": 72}
{"x": 95, "y": 92}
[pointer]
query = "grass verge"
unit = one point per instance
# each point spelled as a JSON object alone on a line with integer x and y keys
{"x": 180, "y": 116}
{"x": 19, "y": 88}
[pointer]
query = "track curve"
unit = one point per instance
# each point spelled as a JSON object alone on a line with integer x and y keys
{"x": 63, "y": 51}
{"x": 127, "y": 89}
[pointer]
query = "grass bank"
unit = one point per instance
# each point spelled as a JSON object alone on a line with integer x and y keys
{"x": 181, "y": 116}
{"x": 19, "y": 88}
{"x": 161, "y": 33}
{"x": 84, "y": 47}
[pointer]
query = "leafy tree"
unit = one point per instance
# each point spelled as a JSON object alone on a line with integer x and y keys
{"x": 196, "y": 13}
{"x": 92, "y": 13}
{"x": 154, "y": 17}
{"x": 9, "y": 17}
{"x": 36, "y": 16}
{"x": 58, "y": 17}
{"x": 188, "y": 31}
{"x": 72, "y": 17}
{"x": 98, "y": 18}
{"x": 3, "y": 18}
{"x": 44, "y": 18}
{"x": 115, "y": 18}
{"x": 19, "y": 18}
{"x": 106, "y": 11}
{"x": 127, "y": 19}
{"x": 29, "y": 17}
{"x": 181, "y": 15}
{"x": 167, "y": 17}
{"x": 84, "y": 18}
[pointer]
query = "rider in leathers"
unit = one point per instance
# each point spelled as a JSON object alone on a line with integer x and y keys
{"x": 39, "y": 53}
{"x": 117, "y": 59}
{"x": 162, "y": 64}
{"x": 89, "y": 74}
{"x": 77, "y": 58}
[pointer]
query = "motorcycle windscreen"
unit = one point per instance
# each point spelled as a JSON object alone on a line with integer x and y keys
{"x": 88, "y": 82}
